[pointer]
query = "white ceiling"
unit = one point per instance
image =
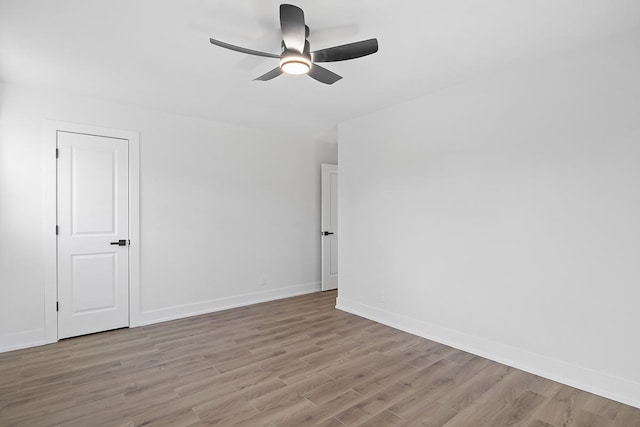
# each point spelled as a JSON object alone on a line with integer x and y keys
{"x": 156, "y": 53}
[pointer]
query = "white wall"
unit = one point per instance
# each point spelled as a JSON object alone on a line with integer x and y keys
{"x": 502, "y": 217}
{"x": 221, "y": 208}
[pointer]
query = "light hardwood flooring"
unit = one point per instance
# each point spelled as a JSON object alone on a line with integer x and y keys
{"x": 294, "y": 362}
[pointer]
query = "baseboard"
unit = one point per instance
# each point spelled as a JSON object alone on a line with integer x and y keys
{"x": 24, "y": 339}
{"x": 611, "y": 387}
{"x": 219, "y": 304}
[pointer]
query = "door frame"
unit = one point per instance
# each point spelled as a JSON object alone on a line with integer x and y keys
{"x": 50, "y": 129}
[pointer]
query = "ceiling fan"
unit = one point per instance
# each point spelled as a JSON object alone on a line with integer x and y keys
{"x": 296, "y": 56}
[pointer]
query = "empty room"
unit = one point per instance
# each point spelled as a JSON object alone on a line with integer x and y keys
{"x": 320, "y": 213}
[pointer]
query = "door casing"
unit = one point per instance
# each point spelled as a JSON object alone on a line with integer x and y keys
{"x": 51, "y": 127}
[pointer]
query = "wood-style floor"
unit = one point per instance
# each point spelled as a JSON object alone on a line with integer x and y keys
{"x": 293, "y": 362}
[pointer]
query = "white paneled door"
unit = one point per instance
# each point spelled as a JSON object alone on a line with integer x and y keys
{"x": 329, "y": 227}
{"x": 93, "y": 233}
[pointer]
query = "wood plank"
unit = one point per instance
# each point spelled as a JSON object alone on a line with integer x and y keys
{"x": 564, "y": 406}
{"x": 520, "y": 410}
{"x": 366, "y": 408}
{"x": 424, "y": 412}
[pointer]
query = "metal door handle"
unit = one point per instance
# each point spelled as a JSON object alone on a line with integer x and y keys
{"x": 120, "y": 243}
{"x": 326, "y": 233}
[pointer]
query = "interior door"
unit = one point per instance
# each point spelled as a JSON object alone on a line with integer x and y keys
{"x": 93, "y": 233}
{"x": 329, "y": 227}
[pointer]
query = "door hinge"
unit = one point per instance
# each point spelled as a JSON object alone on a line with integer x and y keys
{"x": 57, "y": 230}
{"x": 57, "y": 306}
{"x": 57, "y": 153}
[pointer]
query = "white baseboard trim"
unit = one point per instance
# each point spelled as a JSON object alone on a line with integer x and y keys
{"x": 602, "y": 384}
{"x": 219, "y": 304}
{"x": 24, "y": 339}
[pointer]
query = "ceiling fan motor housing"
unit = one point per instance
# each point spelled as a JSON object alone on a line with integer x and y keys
{"x": 294, "y": 62}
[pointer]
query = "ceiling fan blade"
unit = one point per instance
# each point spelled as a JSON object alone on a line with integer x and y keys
{"x": 242, "y": 49}
{"x": 323, "y": 75}
{"x": 270, "y": 75}
{"x": 293, "y": 28}
{"x": 346, "y": 51}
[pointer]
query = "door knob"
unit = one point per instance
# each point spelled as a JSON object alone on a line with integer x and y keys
{"x": 120, "y": 243}
{"x": 326, "y": 233}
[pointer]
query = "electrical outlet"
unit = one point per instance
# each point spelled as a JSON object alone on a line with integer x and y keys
{"x": 263, "y": 281}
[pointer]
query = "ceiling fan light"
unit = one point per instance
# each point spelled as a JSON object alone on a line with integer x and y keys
{"x": 295, "y": 64}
